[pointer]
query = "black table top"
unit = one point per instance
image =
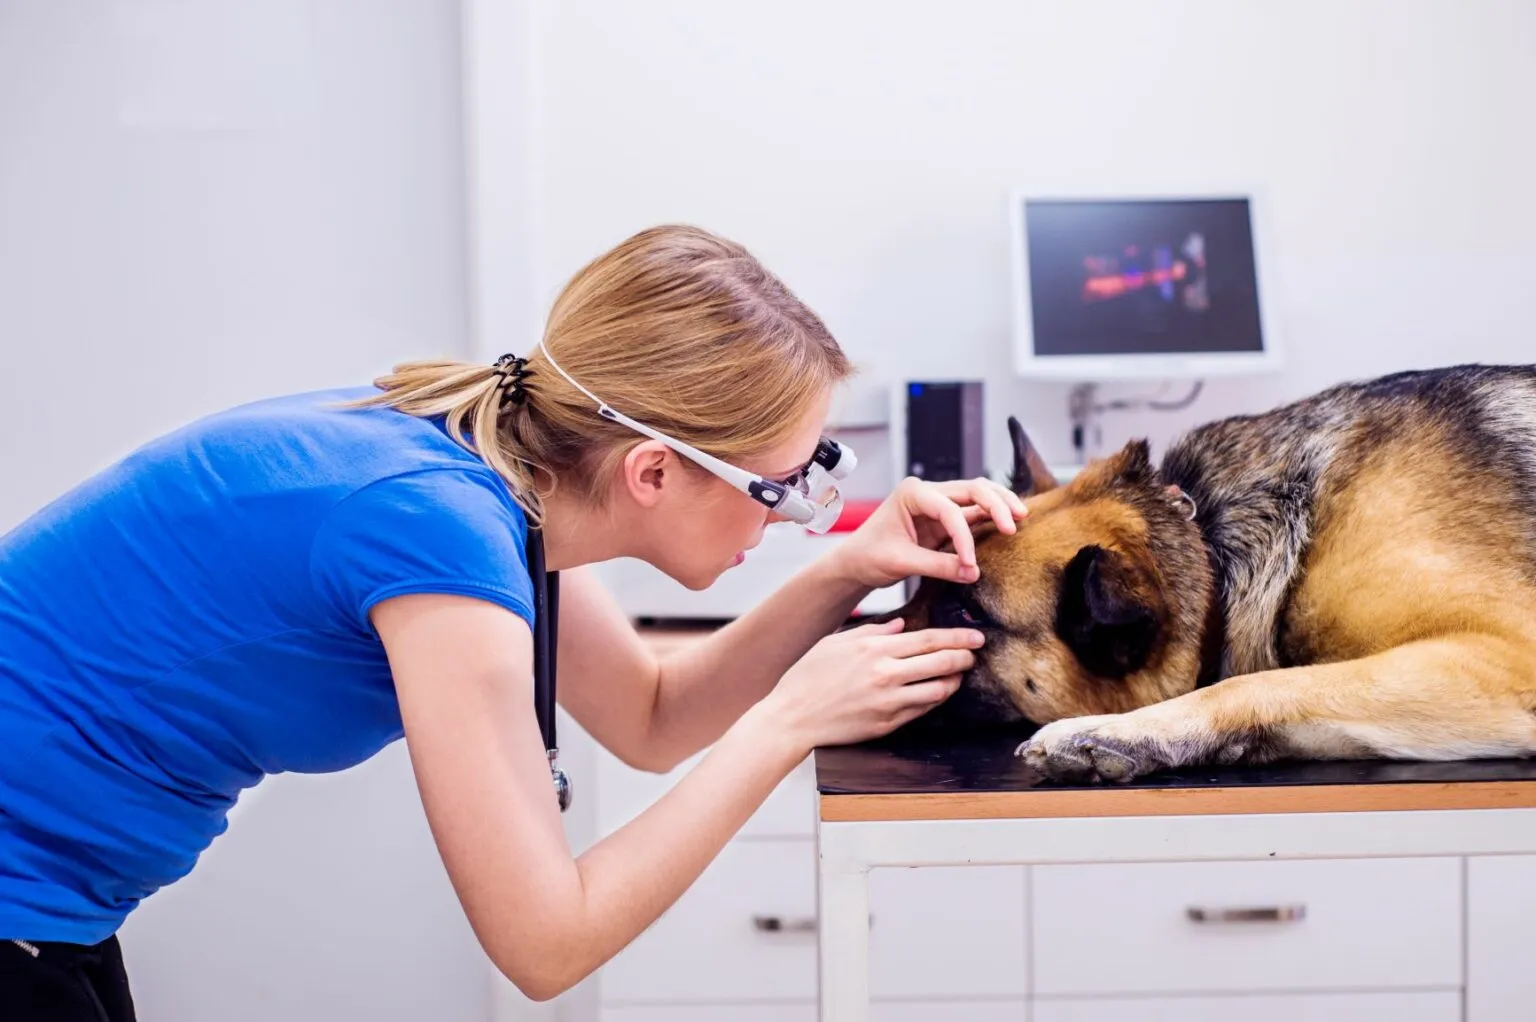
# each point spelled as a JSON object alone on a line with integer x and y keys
{"x": 936, "y": 764}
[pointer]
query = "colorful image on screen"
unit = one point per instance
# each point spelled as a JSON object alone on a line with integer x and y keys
{"x": 1173, "y": 275}
{"x": 1142, "y": 277}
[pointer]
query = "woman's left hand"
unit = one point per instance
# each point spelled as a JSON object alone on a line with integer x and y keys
{"x": 902, "y": 538}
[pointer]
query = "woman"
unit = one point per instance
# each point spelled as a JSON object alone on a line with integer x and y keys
{"x": 293, "y": 584}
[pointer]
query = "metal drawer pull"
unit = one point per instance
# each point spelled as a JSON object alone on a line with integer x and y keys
{"x": 779, "y": 924}
{"x": 1258, "y": 914}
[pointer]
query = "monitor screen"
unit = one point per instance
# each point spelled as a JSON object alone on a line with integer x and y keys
{"x": 1126, "y": 277}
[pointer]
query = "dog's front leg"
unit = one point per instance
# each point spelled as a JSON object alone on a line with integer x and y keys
{"x": 1461, "y": 697}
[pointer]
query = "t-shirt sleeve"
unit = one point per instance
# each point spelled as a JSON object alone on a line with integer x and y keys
{"x": 422, "y": 532}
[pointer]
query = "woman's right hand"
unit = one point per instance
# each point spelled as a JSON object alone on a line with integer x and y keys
{"x": 866, "y": 682}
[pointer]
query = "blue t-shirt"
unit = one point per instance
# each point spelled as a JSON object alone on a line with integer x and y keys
{"x": 196, "y": 617}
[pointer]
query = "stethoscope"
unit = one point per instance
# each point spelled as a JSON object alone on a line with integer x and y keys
{"x": 546, "y": 631}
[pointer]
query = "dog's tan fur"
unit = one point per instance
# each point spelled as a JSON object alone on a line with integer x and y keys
{"x": 1361, "y": 587}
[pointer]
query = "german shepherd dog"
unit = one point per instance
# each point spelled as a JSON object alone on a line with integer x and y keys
{"x": 1352, "y": 576}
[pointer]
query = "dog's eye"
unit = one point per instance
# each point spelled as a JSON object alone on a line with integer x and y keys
{"x": 972, "y": 614}
{"x": 958, "y": 607}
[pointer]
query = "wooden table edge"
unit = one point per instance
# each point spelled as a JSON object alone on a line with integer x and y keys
{"x": 1110, "y": 802}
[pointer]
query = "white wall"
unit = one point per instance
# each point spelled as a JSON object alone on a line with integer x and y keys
{"x": 863, "y": 150}
{"x": 200, "y": 203}
{"x": 204, "y": 202}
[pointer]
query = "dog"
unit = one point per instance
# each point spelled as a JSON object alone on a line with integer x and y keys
{"x": 1350, "y": 576}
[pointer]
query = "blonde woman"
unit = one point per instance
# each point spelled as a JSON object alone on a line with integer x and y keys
{"x": 294, "y": 584}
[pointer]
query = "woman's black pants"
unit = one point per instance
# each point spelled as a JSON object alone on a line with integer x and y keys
{"x": 50, "y": 982}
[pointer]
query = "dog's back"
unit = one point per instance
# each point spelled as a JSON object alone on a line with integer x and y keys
{"x": 1372, "y": 556}
{"x": 1369, "y": 514}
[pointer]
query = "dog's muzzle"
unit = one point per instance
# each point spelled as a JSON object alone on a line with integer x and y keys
{"x": 975, "y": 705}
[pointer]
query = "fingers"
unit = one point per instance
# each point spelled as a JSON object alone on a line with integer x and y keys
{"x": 975, "y": 513}
{"x": 930, "y": 502}
{"x": 891, "y": 627}
{"x": 938, "y": 564}
{"x": 959, "y": 489}
{"x": 918, "y": 698}
{"x": 931, "y": 640}
{"x": 988, "y": 499}
{"x": 927, "y": 666}
{"x": 957, "y": 506}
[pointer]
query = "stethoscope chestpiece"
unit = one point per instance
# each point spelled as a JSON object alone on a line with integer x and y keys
{"x": 562, "y": 781}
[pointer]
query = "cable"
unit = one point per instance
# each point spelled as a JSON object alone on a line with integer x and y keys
{"x": 1184, "y": 402}
{"x": 1126, "y": 404}
{"x": 1085, "y": 410}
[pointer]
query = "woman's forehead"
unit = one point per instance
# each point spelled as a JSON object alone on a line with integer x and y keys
{"x": 796, "y": 451}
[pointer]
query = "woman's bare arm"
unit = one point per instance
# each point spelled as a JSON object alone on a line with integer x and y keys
{"x": 462, "y": 670}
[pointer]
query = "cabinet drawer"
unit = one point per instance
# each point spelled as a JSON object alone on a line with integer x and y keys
{"x": 715, "y": 1013}
{"x": 1382, "y": 924}
{"x": 1439, "y": 1006}
{"x": 622, "y": 793}
{"x": 956, "y": 931}
{"x": 1501, "y": 938}
{"x": 707, "y": 947}
{"x": 949, "y": 1011}
{"x": 915, "y": 1011}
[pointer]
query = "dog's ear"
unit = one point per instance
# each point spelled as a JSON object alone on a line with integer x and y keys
{"x": 1131, "y": 465}
{"x": 1029, "y": 476}
{"x": 1105, "y": 614}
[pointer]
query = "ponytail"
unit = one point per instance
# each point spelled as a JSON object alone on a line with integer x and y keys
{"x": 675, "y": 327}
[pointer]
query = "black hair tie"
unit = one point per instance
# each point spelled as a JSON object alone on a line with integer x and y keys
{"x": 513, "y": 371}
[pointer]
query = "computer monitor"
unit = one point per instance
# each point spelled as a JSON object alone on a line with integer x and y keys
{"x": 1123, "y": 286}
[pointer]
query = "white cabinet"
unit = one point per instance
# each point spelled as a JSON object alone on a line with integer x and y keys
{"x": 719, "y": 943}
{"x": 898, "y": 1011}
{"x": 746, "y": 932}
{"x": 1380, "y": 940}
{"x": 623, "y": 793}
{"x": 1501, "y": 938}
{"x": 1378, "y": 924}
{"x": 952, "y": 932}
{"x": 716, "y": 1013}
{"x": 1440, "y": 1006}
{"x": 949, "y": 1011}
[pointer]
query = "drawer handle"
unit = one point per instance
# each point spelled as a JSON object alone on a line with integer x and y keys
{"x": 1257, "y": 914}
{"x": 1260, "y": 913}
{"x": 779, "y": 924}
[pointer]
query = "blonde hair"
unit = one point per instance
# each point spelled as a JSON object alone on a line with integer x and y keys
{"x": 675, "y": 327}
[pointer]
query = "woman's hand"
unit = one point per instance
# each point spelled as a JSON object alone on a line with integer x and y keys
{"x": 902, "y": 537}
{"x": 866, "y": 682}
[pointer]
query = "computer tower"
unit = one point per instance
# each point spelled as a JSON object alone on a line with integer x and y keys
{"x": 945, "y": 429}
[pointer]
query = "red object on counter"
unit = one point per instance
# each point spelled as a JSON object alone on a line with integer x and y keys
{"x": 855, "y": 513}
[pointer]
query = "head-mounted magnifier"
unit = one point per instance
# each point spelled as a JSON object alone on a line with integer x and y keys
{"x": 810, "y": 497}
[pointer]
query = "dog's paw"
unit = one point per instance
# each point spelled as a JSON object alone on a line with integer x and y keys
{"x": 1093, "y": 750}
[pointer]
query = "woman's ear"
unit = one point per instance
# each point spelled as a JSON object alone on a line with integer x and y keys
{"x": 647, "y": 469}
